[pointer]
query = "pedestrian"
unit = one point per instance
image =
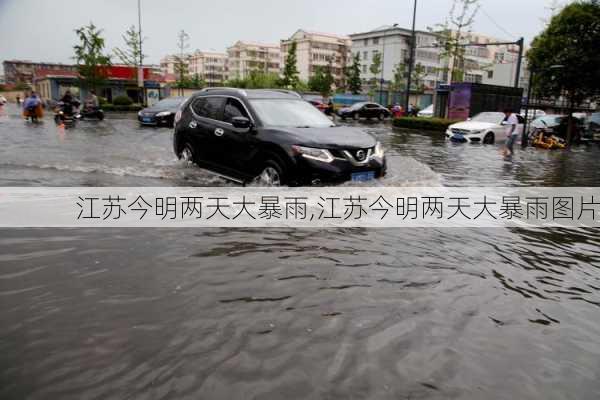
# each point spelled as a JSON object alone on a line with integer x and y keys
{"x": 92, "y": 102}
{"x": 510, "y": 128}
{"x": 329, "y": 110}
{"x": 18, "y": 101}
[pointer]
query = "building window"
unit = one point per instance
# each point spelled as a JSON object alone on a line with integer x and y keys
{"x": 365, "y": 69}
{"x": 366, "y": 42}
{"x": 375, "y": 41}
{"x": 490, "y": 74}
{"x": 366, "y": 56}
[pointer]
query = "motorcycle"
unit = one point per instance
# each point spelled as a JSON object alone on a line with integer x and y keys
{"x": 65, "y": 113}
{"x": 91, "y": 113}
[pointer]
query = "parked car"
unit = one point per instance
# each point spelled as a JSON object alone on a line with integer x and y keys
{"x": 593, "y": 126}
{"x": 365, "y": 110}
{"x": 427, "y": 112}
{"x": 162, "y": 113}
{"x": 272, "y": 137}
{"x": 533, "y": 114}
{"x": 485, "y": 127}
{"x": 556, "y": 125}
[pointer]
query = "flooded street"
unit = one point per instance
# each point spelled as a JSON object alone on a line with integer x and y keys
{"x": 271, "y": 314}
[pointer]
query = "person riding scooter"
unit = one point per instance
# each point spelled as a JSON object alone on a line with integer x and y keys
{"x": 91, "y": 108}
{"x": 32, "y": 107}
{"x": 69, "y": 104}
{"x": 66, "y": 108}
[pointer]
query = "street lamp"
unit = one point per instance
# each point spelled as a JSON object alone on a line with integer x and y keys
{"x": 412, "y": 57}
{"x": 383, "y": 61}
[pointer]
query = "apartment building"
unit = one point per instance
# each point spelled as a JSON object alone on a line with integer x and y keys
{"x": 167, "y": 64}
{"x": 480, "y": 62}
{"x": 211, "y": 66}
{"x": 392, "y": 43}
{"x": 315, "y": 49}
{"x": 245, "y": 57}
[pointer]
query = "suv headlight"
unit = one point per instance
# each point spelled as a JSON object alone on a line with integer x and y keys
{"x": 163, "y": 114}
{"x": 474, "y": 132}
{"x": 379, "y": 150}
{"x": 139, "y": 114}
{"x": 313, "y": 153}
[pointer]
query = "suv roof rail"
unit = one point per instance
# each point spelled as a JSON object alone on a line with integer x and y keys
{"x": 240, "y": 91}
{"x": 292, "y": 92}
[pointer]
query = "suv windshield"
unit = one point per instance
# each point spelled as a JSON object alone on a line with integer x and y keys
{"x": 491, "y": 117}
{"x": 289, "y": 113}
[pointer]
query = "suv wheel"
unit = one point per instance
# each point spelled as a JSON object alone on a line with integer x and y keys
{"x": 489, "y": 138}
{"x": 355, "y": 116}
{"x": 271, "y": 175}
{"x": 187, "y": 153}
{"x": 381, "y": 116}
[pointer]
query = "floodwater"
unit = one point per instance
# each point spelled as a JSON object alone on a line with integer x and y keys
{"x": 271, "y": 314}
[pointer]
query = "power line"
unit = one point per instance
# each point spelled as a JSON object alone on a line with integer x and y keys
{"x": 497, "y": 24}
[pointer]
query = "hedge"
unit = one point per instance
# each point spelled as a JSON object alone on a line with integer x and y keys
{"x": 129, "y": 108}
{"x": 426, "y": 124}
{"x": 122, "y": 101}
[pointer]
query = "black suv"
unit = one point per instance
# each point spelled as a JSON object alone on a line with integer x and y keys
{"x": 272, "y": 137}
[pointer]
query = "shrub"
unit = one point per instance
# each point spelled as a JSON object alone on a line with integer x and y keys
{"x": 102, "y": 101}
{"x": 122, "y": 101}
{"x": 130, "y": 108}
{"x": 426, "y": 124}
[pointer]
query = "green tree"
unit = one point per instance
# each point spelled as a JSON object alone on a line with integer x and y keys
{"x": 417, "y": 81}
{"x": 182, "y": 61}
{"x": 91, "y": 61}
{"x": 565, "y": 57}
{"x": 399, "y": 79}
{"x": 256, "y": 79}
{"x": 132, "y": 53}
{"x": 321, "y": 81}
{"x": 418, "y": 78}
{"x": 353, "y": 76}
{"x": 375, "y": 67}
{"x": 290, "y": 71}
{"x": 450, "y": 34}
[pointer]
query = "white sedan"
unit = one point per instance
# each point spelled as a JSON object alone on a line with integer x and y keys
{"x": 485, "y": 127}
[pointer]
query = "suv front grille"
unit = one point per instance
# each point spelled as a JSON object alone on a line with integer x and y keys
{"x": 357, "y": 156}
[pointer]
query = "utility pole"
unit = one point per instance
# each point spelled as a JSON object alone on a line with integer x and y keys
{"x": 521, "y": 44}
{"x": 412, "y": 58}
{"x": 141, "y": 66}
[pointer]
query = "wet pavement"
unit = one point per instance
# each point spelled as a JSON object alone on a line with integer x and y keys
{"x": 255, "y": 313}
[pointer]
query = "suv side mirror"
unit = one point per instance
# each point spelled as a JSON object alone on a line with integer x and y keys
{"x": 241, "y": 123}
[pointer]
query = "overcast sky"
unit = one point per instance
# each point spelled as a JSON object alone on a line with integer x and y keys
{"x": 42, "y": 30}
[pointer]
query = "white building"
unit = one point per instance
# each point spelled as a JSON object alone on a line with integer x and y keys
{"x": 167, "y": 64}
{"x": 210, "y": 66}
{"x": 392, "y": 42}
{"x": 481, "y": 61}
{"x": 315, "y": 49}
{"x": 247, "y": 56}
